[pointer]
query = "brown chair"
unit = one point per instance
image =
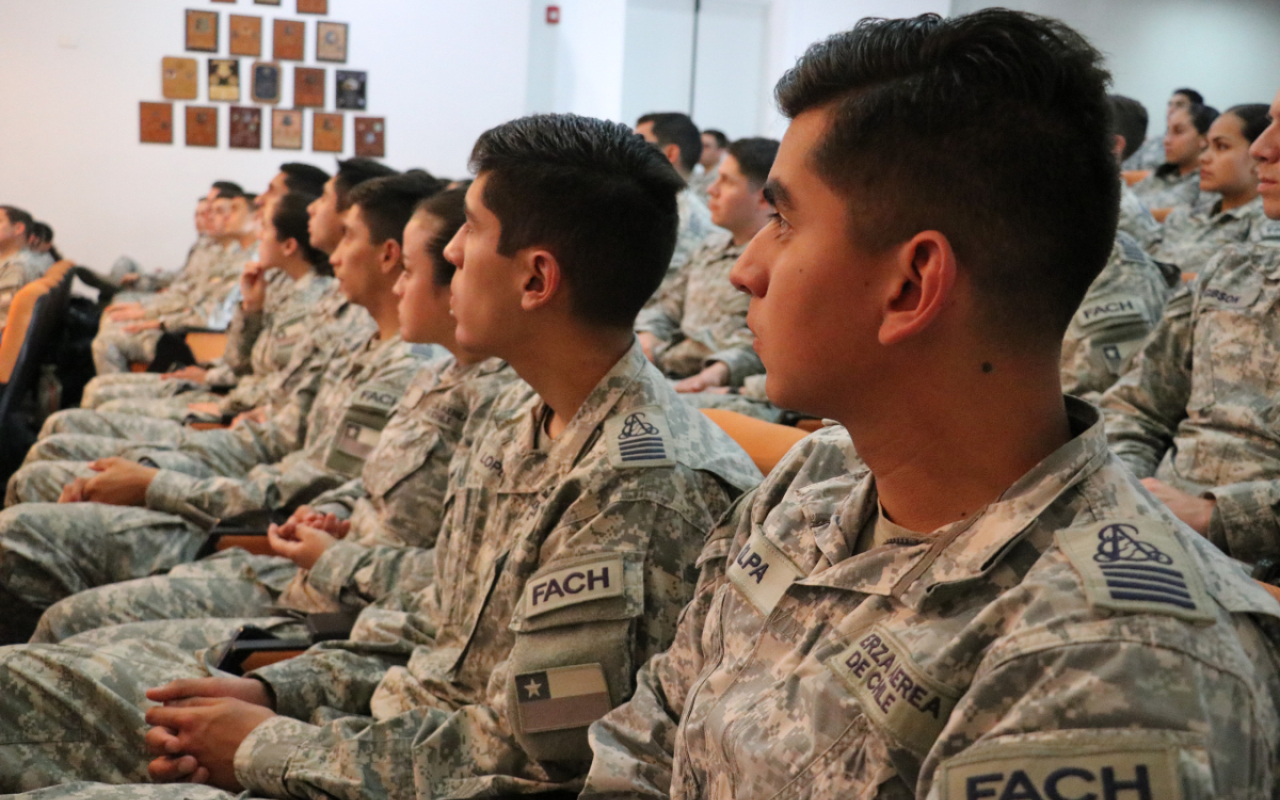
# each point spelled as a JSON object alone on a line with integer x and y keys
{"x": 1274, "y": 591}
{"x": 206, "y": 346}
{"x": 765, "y": 442}
{"x": 1132, "y": 176}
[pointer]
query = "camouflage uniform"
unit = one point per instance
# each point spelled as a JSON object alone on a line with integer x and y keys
{"x": 998, "y": 657}
{"x": 695, "y": 226}
{"x": 395, "y": 510}
{"x": 1119, "y": 310}
{"x": 16, "y": 271}
{"x": 1192, "y": 236}
{"x": 343, "y": 425}
{"x": 1148, "y": 156}
{"x": 1136, "y": 219}
{"x": 1198, "y": 409}
{"x": 702, "y": 181}
{"x": 1165, "y": 187}
{"x": 562, "y": 565}
{"x": 700, "y": 318}
{"x": 114, "y": 348}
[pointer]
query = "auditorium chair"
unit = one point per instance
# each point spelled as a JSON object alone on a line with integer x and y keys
{"x": 765, "y": 442}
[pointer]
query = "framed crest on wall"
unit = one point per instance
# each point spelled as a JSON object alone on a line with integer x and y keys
{"x": 202, "y": 31}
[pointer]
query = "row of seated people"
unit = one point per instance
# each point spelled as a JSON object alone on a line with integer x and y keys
{"x": 568, "y": 579}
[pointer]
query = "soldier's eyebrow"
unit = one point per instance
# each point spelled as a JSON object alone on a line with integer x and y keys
{"x": 777, "y": 195}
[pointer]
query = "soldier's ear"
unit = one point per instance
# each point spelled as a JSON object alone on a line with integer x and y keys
{"x": 543, "y": 280}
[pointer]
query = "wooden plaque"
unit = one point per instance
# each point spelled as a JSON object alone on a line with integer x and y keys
{"x": 326, "y": 133}
{"x": 156, "y": 123}
{"x": 246, "y": 127}
{"x": 202, "y": 31}
{"x": 371, "y": 137}
{"x": 288, "y": 40}
{"x": 265, "y": 85}
{"x": 313, "y": 6}
{"x": 178, "y": 79}
{"x": 224, "y": 80}
{"x": 286, "y": 129}
{"x": 331, "y": 42}
{"x": 308, "y": 87}
{"x": 350, "y": 92}
{"x": 202, "y": 126}
{"x": 267, "y": 2}
{"x": 246, "y": 36}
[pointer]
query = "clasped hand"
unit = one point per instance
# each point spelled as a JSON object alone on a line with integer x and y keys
{"x": 197, "y": 731}
{"x": 119, "y": 482}
{"x": 305, "y": 536}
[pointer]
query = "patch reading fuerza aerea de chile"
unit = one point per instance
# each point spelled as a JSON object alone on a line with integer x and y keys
{"x": 1137, "y": 566}
{"x": 640, "y": 438}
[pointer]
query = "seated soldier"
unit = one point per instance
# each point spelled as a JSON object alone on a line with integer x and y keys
{"x": 354, "y": 544}
{"x": 566, "y": 554}
{"x": 1195, "y": 417}
{"x": 1151, "y": 153}
{"x": 677, "y": 137}
{"x": 123, "y": 517}
{"x": 132, "y": 336}
{"x": 1128, "y": 126}
{"x": 696, "y": 327}
{"x": 1194, "y": 233}
{"x": 278, "y": 295}
{"x": 992, "y": 607}
{"x": 40, "y": 242}
{"x": 1177, "y": 181}
{"x": 18, "y": 265}
{"x": 714, "y": 147}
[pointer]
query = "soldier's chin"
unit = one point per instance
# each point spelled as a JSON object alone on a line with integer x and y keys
{"x": 1271, "y": 203}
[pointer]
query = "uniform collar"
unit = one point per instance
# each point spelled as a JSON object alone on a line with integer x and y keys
{"x": 963, "y": 550}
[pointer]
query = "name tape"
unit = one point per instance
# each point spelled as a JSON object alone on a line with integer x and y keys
{"x": 573, "y": 585}
{"x": 762, "y": 572}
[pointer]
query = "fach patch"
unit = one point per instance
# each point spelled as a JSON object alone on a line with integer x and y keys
{"x": 562, "y": 698}
{"x": 573, "y": 585}
{"x": 1136, "y": 565}
{"x": 762, "y": 572}
{"x": 1110, "y": 310}
{"x": 1130, "y": 769}
{"x": 639, "y": 439}
{"x": 894, "y": 691}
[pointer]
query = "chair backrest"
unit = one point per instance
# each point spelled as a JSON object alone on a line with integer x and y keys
{"x": 18, "y": 325}
{"x": 59, "y": 270}
{"x": 765, "y": 442}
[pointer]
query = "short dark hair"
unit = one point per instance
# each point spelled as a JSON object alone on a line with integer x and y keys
{"x": 386, "y": 204}
{"x": 1254, "y": 116}
{"x": 448, "y": 206}
{"x": 227, "y": 190}
{"x": 18, "y": 217}
{"x": 1004, "y": 109}
{"x": 305, "y": 178}
{"x": 40, "y": 231}
{"x": 755, "y": 157}
{"x": 594, "y": 194}
{"x": 722, "y": 141}
{"x": 353, "y": 172}
{"x": 1128, "y": 119}
{"x": 1202, "y": 117}
{"x": 289, "y": 216}
{"x": 672, "y": 127}
{"x": 1191, "y": 94}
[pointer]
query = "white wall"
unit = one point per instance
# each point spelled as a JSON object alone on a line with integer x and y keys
{"x": 576, "y": 66}
{"x": 441, "y": 71}
{"x": 1225, "y": 48}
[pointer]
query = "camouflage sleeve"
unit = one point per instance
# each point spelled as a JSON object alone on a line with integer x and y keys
{"x": 661, "y": 316}
{"x": 356, "y": 573}
{"x": 242, "y": 335}
{"x": 1246, "y": 520}
{"x": 634, "y": 744}
{"x": 1143, "y": 408}
{"x": 267, "y": 486}
{"x": 341, "y": 501}
{"x": 742, "y": 362}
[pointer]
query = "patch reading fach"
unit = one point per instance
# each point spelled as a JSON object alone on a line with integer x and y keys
{"x": 573, "y": 585}
{"x": 894, "y": 691}
{"x": 1118, "y": 775}
{"x": 1136, "y": 566}
{"x": 639, "y": 439}
{"x": 562, "y": 698}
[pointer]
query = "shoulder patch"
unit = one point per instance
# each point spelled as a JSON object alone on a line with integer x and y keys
{"x": 1266, "y": 230}
{"x": 580, "y": 583}
{"x": 1130, "y": 250}
{"x": 562, "y": 698}
{"x": 762, "y": 572}
{"x": 894, "y": 691}
{"x": 1231, "y": 297}
{"x": 640, "y": 438}
{"x": 1108, "y": 767}
{"x": 1136, "y": 566}
{"x": 1110, "y": 310}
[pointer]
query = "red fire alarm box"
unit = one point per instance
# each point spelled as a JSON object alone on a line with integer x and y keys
{"x": 553, "y": 15}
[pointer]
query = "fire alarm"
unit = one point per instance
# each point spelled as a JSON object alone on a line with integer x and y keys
{"x": 553, "y": 15}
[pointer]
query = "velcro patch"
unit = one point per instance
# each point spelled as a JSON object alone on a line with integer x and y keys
{"x": 1116, "y": 354}
{"x": 639, "y": 439}
{"x": 562, "y": 698}
{"x": 1128, "y": 770}
{"x": 1138, "y": 566}
{"x": 894, "y": 691}
{"x": 1110, "y": 310}
{"x": 572, "y": 585}
{"x": 1231, "y": 297}
{"x": 762, "y": 572}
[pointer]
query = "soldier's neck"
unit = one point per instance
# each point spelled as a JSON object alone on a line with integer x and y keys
{"x": 10, "y": 248}
{"x": 566, "y": 364}
{"x": 1235, "y": 200}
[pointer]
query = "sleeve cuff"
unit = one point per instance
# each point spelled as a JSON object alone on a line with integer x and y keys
{"x": 333, "y": 570}
{"x": 742, "y": 363}
{"x": 262, "y": 759}
{"x": 169, "y": 491}
{"x": 1243, "y": 523}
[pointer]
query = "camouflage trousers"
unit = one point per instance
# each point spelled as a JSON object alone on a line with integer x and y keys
{"x": 130, "y": 385}
{"x": 49, "y": 551}
{"x": 197, "y": 604}
{"x": 114, "y": 349}
{"x": 81, "y": 790}
{"x": 80, "y": 436}
{"x": 135, "y": 427}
